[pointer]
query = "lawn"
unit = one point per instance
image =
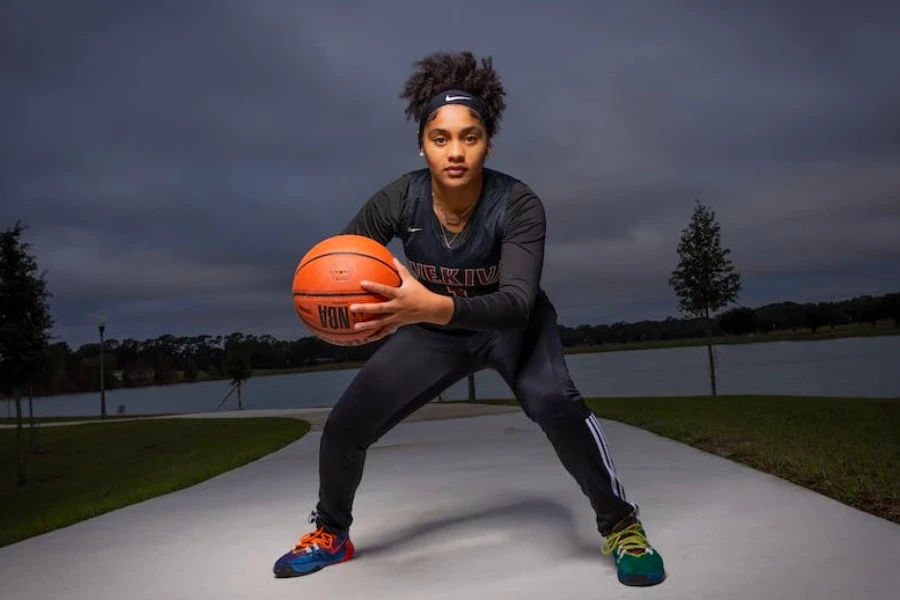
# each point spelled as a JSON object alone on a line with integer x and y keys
{"x": 80, "y": 471}
{"x": 845, "y": 448}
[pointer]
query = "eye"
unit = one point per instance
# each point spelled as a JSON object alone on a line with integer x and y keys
{"x": 471, "y": 138}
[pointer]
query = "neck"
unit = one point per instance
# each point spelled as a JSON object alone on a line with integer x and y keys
{"x": 457, "y": 199}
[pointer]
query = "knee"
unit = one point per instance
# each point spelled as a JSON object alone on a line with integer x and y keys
{"x": 551, "y": 409}
{"x": 345, "y": 431}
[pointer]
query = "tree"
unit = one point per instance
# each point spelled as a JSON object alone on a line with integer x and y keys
{"x": 191, "y": 371}
{"x": 816, "y": 315}
{"x": 890, "y": 307}
{"x": 738, "y": 321}
{"x": 24, "y": 325}
{"x": 237, "y": 366}
{"x": 705, "y": 279}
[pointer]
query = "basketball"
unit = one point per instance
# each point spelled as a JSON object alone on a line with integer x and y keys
{"x": 326, "y": 283}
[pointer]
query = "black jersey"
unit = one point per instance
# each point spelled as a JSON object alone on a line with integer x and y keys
{"x": 492, "y": 269}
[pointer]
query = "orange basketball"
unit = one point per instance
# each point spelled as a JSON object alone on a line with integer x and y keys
{"x": 326, "y": 283}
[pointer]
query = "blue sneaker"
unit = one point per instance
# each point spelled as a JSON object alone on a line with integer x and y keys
{"x": 314, "y": 551}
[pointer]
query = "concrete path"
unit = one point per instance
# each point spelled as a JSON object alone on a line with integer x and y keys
{"x": 474, "y": 507}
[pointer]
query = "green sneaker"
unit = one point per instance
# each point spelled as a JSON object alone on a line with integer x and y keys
{"x": 638, "y": 562}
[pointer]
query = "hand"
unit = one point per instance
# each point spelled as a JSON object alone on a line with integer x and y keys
{"x": 409, "y": 303}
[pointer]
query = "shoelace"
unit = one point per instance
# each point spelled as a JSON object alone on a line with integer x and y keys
{"x": 630, "y": 539}
{"x": 319, "y": 536}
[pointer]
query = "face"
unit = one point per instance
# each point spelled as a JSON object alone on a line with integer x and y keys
{"x": 455, "y": 144}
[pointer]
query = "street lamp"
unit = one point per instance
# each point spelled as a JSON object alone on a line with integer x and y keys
{"x": 101, "y": 327}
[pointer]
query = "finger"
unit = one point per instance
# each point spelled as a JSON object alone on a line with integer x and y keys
{"x": 372, "y": 308}
{"x": 401, "y": 269}
{"x": 387, "y": 291}
{"x": 371, "y": 324}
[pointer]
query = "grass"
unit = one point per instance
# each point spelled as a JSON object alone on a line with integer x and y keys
{"x": 80, "y": 471}
{"x": 845, "y": 448}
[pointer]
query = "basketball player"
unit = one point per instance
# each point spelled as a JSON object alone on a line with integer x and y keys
{"x": 470, "y": 299}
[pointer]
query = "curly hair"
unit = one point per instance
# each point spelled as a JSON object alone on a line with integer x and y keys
{"x": 443, "y": 71}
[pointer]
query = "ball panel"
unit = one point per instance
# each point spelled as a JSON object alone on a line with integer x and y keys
{"x": 357, "y": 244}
{"x": 332, "y": 322}
{"x": 340, "y": 273}
{"x": 332, "y": 314}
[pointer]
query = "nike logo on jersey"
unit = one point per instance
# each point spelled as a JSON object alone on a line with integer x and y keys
{"x": 449, "y": 98}
{"x": 413, "y": 229}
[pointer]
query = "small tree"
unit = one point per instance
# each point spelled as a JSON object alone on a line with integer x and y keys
{"x": 237, "y": 367}
{"x": 705, "y": 280}
{"x": 24, "y": 324}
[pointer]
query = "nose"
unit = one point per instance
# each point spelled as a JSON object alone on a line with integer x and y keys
{"x": 456, "y": 150}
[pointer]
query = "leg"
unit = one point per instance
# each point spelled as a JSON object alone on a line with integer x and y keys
{"x": 533, "y": 365}
{"x": 409, "y": 370}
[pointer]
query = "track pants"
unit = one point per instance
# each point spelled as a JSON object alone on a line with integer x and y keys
{"x": 416, "y": 364}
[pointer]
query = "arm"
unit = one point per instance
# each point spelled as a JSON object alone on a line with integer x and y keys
{"x": 521, "y": 265}
{"x": 379, "y": 218}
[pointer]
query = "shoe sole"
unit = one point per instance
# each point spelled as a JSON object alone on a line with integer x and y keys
{"x": 284, "y": 572}
{"x": 641, "y": 581}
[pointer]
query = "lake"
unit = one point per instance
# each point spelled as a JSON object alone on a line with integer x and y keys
{"x": 861, "y": 367}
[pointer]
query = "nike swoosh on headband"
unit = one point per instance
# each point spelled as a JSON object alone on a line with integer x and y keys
{"x": 449, "y": 98}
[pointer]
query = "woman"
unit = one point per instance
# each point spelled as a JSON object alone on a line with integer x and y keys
{"x": 471, "y": 299}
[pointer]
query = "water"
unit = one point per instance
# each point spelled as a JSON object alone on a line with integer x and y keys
{"x": 861, "y": 367}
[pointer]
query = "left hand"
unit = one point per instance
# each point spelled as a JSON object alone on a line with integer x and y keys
{"x": 409, "y": 303}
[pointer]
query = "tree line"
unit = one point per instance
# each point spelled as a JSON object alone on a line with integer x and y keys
{"x": 174, "y": 359}
{"x": 767, "y": 319}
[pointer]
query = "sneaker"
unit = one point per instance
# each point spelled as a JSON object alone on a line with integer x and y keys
{"x": 314, "y": 551}
{"x": 639, "y": 564}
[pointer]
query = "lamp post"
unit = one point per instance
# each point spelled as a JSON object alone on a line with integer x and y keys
{"x": 101, "y": 327}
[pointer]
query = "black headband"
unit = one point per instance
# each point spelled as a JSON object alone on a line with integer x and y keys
{"x": 452, "y": 97}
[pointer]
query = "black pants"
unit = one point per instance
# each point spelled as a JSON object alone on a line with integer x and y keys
{"x": 416, "y": 364}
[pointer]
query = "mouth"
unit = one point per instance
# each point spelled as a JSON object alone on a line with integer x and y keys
{"x": 456, "y": 171}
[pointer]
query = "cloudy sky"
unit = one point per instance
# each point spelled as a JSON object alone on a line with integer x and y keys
{"x": 173, "y": 160}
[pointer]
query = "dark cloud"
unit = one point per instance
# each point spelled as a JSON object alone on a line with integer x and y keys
{"x": 174, "y": 160}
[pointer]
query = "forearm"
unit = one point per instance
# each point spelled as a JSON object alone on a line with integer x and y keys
{"x": 499, "y": 310}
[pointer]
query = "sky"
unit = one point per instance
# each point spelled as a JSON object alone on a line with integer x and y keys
{"x": 174, "y": 160}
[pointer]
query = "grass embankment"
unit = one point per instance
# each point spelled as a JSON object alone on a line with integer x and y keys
{"x": 80, "y": 471}
{"x": 845, "y": 448}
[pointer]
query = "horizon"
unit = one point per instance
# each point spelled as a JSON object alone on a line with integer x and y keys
{"x": 308, "y": 334}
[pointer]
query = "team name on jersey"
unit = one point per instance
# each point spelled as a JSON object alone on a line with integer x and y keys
{"x": 456, "y": 277}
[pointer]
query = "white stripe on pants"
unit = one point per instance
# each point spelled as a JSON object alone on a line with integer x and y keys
{"x": 597, "y": 431}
